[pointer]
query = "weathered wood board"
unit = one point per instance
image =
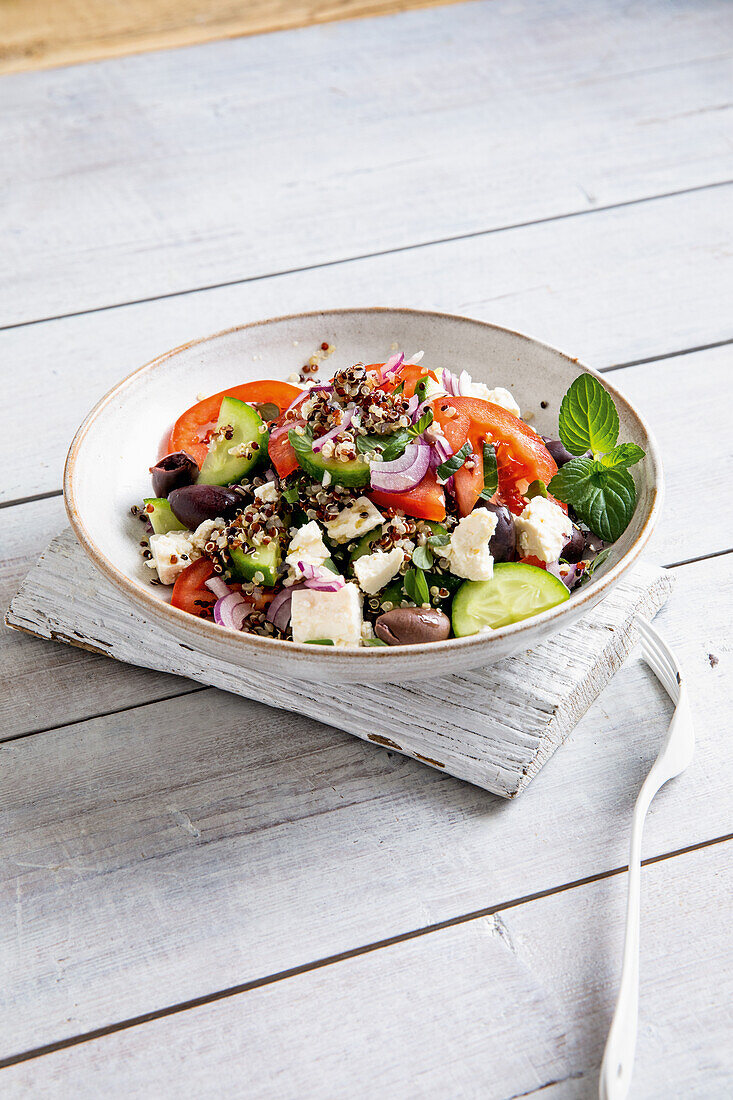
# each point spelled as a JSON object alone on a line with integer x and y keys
{"x": 494, "y": 727}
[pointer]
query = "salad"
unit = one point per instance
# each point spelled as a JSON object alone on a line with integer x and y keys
{"x": 391, "y": 505}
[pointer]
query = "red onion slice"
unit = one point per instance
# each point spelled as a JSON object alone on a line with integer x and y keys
{"x": 405, "y": 472}
{"x": 279, "y": 610}
{"x": 320, "y": 579}
{"x": 412, "y": 406}
{"x": 219, "y": 587}
{"x": 391, "y": 367}
{"x": 318, "y": 445}
{"x": 231, "y": 611}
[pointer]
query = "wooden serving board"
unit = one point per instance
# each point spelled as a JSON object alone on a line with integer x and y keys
{"x": 494, "y": 726}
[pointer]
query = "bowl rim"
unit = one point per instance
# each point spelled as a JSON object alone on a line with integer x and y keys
{"x": 325, "y": 654}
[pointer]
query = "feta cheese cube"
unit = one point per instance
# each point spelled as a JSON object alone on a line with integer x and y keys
{"x": 498, "y": 396}
{"x": 543, "y": 530}
{"x": 354, "y": 520}
{"x": 333, "y": 615}
{"x": 207, "y": 531}
{"x": 375, "y": 570}
{"x": 168, "y": 554}
{"x": 307, "y": 545}
{"x": 267, "y": 493}
{"x": 468, "y": 551}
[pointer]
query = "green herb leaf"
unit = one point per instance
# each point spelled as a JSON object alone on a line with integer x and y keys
{"x": 491, "y": 472}
{"x": 319, "y": 641}
{"x": 290, "y": 495}
{"x": 330, "y": 564}
{"x": 423, "y": 423}
{"x": 389, "y": 446}
{"x": 450, "y": 465}
{"x": 626, "y": 454}
{"x": 536, "y": 489}
{"x": 373, "y": 641}
{"x": 301, "y": 444}
{"x": 593, "y": 565}
{"x": 422, "y": 557}
{"x": 438, "y": 540}
{"x": 397, "y": 390}
{"x": 416, "y": 587}
{"x": 603, "y": 497}
{"x": 588, "y": 417}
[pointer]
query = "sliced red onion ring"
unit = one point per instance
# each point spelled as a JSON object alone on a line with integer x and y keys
{"x": 320, "y": 579}
{"x": 416, "y": 358}
{"x": 219, "y": 587}
{"x": 405, "y": 472}
{"x": 440, "y": 451}
{"x": 565, "y": 573}
{"x": 390, "y": 368}
{"x": 450, "y": 382}
{"x": 231, "y": 611}
{"x": 318, "y": 445}
{"x": 298, "y": 399}
{"x": 279, "y": 610}
{"x": 413, "y": 405}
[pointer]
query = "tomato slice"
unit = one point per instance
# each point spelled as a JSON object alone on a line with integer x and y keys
{"x": 425, "y": 501}
{"x": 190, "y": 592}
{"x": 190, "y": 428}
{"x": 499, "y": 426}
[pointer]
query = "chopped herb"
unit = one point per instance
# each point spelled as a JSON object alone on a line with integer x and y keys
{"x": 536, "y": 489}
{"x": 373, "y": 641}
{"x": 422, "y": 557}
{"x": 593, "y": 565}
{"x": 290, "y": 495}
{"x": 439, "y": 540}
{"x": 319, "y": 641}
{"x": 491, "y": 472}
{"x": 416, "y": 587}
{"x": 301, "y": 443}
{"x": 451, "y": 465}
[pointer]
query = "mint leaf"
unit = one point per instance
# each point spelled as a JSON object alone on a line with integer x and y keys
{"x": 301, "y": 444}
{"x": 439, "y": 540}
{"x": 536, "y": 489}
{"x": 604, "y": 498}
{"x": 389, "y": 446}
{"x": 491, "y": 472}
{"x": 451, "y": 465}
{"x": 422, "y": 557}
{"x": 588, "y": 417}
{"x": 416, "y": 587}
{"x": 290, "y": 495}
{"x": 424, "y": 422}
{"x": 594, "y": 564}
{"x": 626, "y": 454}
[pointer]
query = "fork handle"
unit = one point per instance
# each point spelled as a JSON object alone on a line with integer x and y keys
{"x": 618, "y": 1057}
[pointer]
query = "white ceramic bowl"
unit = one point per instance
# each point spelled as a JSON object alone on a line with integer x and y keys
{"x": 107, "y": 471}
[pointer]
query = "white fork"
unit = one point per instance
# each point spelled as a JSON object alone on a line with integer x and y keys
{"x": 674, "y": 756}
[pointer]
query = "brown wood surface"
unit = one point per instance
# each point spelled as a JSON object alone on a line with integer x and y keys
{"x": 36, "y": 34}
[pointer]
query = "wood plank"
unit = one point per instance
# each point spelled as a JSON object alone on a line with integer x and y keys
{"x": 580, "y": 284}
{"x": 163, "y": 853}
{"x": 166, "y": 172}
{"x": 39, "y": 36}
{"x": 512, "y": 1004}
{"x": 495, "y": 726}
{"x": 44, "y": 684}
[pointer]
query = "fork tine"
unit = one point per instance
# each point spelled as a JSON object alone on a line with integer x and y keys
{"x": 663, "y": 653}
{"x": 668, "y": 683}
{"x": 659, "y": 658}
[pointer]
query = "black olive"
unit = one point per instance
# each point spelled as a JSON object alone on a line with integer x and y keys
{"x": 412, "y": 626}
{"x": 192, "y": 504}
{"x": 172, "y": 472}
{"x": 573, "y": 550}
{"x": 504, "y": 539}
{"x": 557, "y": 450}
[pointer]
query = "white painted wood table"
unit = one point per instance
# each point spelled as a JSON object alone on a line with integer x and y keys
{"x": 202, "y": 896}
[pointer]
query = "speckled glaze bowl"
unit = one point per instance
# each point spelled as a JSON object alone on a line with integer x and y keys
{"x": 107, "y": 471}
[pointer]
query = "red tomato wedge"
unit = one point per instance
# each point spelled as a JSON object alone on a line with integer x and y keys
{"x": 409, "y": 374}
{"x": 190, "y": 428}
{"x": 190, "y": 592}
{"x": 425, "y": 501}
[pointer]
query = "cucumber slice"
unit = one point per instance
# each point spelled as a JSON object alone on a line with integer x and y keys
{"x": 364, "y": 545}
{"x": 265, "y": 560}
{"x": 354, "y": 473}
{"x": 161, "y": 516}
{"x": 515, "y": 592}
{"x": 222, "y": 468}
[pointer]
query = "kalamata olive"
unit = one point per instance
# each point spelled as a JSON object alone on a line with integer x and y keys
{"x": 172, "y": 472}
{"x": 557, "y": 450}
{"x": 573, "y": 550}
{"x": 504, "y": 539}
{"x": 192, "y": 504}
{"x": 412, "y": 626}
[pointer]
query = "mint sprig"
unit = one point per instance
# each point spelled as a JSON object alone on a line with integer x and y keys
{"x": 491, "y": 472}
{"x": 598, "y": 486}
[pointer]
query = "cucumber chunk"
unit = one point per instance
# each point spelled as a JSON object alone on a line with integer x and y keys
{"x": 161, "y": 516}
{"x": 222, "y": 468}
{"x": 354, "y": 473}
{"x": 265, "y": 560}
{"x": 515, "y": 592}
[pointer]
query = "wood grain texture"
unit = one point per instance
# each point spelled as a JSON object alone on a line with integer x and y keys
{"x": 514, "y": 1004}
{"x": 189, "y": 845}
{"x": 577, "y": 283}
{"x": 495, "y": 726}
{"x": 37, "y": 35}
{"x": 169, "y": 172}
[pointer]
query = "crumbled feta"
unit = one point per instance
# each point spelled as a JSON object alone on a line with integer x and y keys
{"x": 375, "y": 570}
{"x": 543, "y": 530}
{"x": 498, "y": 396}
{"x": 333, "y": 615}
{"x": 207, "y": 531}
{"x": 171, "y": 554}
{"x": 468, "y": 551}
{"x": 267, "y": 493}
{"x": 307, "y": 545}
{"x": 354, "y": 520}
